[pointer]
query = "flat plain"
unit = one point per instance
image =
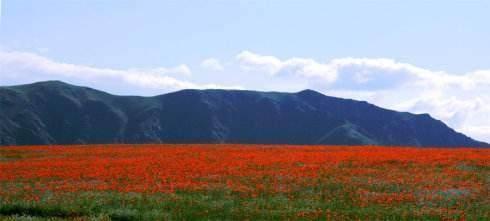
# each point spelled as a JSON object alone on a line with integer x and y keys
{"x": 243, "y": 182}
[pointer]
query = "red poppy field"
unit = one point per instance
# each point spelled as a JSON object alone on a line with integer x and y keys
{"x": 243, "y": 182}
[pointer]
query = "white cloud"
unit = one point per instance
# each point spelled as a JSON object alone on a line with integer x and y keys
{"x": 457, "y": 99}
{"x": 344, "y": 71}
{"x": 212, "y": 64}
{"x": 21, "y": 66}
{"x": 251, "y": 61}
{"x": 302, "y": 67}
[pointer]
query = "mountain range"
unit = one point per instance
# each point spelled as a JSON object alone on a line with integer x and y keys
{"x": 54, "y": 112}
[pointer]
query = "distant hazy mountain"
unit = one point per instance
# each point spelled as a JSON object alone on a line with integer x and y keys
{"x": 57, "y": 113}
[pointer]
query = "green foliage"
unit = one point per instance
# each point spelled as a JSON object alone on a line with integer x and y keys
{"x": 327, "y": 200}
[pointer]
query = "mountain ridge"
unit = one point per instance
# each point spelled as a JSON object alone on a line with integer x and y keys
{"x": 54, "y": 112}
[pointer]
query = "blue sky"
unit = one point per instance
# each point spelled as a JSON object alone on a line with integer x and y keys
{"x": 419, "y": 56}
{"x": 126, "y": 33}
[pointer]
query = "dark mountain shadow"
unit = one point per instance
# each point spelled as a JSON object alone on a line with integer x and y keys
{"x": 54, "y": 112}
